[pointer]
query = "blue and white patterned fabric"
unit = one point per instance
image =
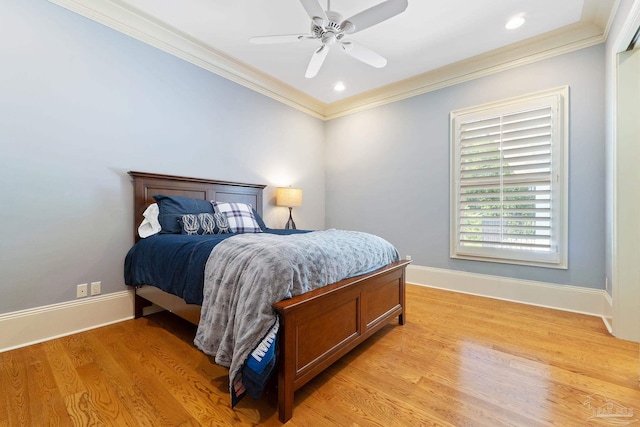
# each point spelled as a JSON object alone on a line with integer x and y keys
{"x": 239, "y": 217}
{"x": 204, "y": 223}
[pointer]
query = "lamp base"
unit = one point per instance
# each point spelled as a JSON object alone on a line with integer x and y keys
{"x": 290, "y": 225}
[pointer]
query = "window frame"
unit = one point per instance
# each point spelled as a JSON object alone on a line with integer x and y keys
{"x": 557, "y": 257}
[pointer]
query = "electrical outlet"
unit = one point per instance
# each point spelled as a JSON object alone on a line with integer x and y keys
{"x": 408, "y": 257}
{"x": 81, "y": 291}
{"x": 96, "y": 288}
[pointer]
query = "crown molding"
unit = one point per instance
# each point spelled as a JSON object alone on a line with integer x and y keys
{"x": 592, "y": 29}
{"x": 559, "y": 42}
{"x": 600, "y": 13}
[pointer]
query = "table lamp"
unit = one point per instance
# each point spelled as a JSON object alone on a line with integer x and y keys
{"x": 289, "y": 197}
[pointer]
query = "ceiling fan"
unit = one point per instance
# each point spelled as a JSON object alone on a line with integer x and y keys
{"x": 329, "y": 27}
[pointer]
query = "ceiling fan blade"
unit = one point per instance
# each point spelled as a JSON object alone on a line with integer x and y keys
{"x": 314, "y": 10}
{"x": 363, "y": 54}
{"x": 373, "y": 15}
{"x": 286, "y": 38}
{"x": 316, "y": 61}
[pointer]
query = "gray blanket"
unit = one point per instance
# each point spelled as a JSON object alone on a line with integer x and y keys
{"x": 245, "y": 274}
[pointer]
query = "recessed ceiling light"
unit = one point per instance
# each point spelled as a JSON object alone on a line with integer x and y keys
{"x": 515, "y": 22}
{"x": 339, "y": 87}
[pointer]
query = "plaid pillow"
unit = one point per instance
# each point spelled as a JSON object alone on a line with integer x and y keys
{"x": 239, "y": 216}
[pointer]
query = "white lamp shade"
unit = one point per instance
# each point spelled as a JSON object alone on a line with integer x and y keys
{"x": 289, "y": 197}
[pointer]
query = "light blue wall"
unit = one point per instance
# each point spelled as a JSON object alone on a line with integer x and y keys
{"x": 80, "y": 105}
{"x": 387, "y": 169}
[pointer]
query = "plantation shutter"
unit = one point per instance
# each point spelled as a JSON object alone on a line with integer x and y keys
{"x": 505, "y": 184}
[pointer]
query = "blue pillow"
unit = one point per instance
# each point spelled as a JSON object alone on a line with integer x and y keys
{"x": 173, "y": 207}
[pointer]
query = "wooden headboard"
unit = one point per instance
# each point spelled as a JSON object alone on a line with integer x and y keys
{"x": 148, "y": 184}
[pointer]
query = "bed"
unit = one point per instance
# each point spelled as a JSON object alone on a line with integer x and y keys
{"x": 315, "y": 328}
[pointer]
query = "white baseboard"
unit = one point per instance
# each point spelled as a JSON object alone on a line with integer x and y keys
{"x": 26, "y": 327}
{"x": 594, "y": 302}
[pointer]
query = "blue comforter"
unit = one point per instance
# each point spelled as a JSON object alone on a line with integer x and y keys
{"x": 175, "y": 262}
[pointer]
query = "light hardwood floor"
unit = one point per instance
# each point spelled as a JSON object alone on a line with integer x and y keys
{"x": 460, "y": 360}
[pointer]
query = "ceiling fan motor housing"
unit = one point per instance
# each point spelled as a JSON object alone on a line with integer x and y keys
{"x": 332, "y": 26}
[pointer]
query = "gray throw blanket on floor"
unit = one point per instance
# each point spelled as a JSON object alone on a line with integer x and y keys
{"x": 245, "y": 274}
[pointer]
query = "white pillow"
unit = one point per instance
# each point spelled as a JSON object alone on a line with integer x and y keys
{"x": 150, "y": 224}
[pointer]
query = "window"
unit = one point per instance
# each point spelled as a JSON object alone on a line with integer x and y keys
{"x": 509, "y": 180}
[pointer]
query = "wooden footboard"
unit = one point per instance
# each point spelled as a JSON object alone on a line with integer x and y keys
{"x": 319, "y": 327}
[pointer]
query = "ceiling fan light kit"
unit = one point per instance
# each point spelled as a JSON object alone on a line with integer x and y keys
{"x": 329, "y": 28}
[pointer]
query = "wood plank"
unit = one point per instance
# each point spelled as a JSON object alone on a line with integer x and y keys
{"x": 105, "y": 399}
{"x": 177, "y": 367}
{"x": 459, "y": 360}
{"x": 46, "y": 403}
{"x": 5, "y": 408}
{"x": 13, "y": 383}
{"x": 62, "y": 368}
{"x": 137, "y": 391}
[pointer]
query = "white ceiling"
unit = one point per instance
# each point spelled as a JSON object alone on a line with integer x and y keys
{"x": 431, "y": 44}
